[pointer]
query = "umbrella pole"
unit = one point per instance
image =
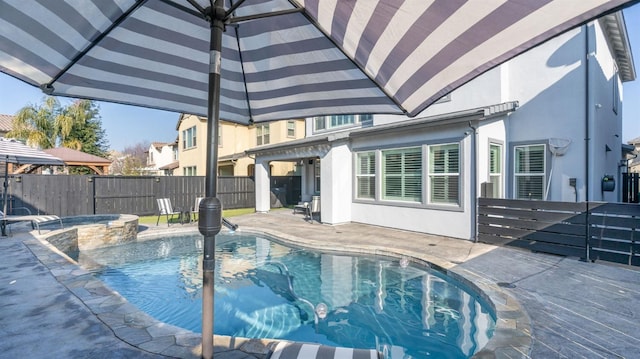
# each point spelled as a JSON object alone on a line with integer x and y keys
{"x": 5, "y": 197}
{"x": 210, "y": 219}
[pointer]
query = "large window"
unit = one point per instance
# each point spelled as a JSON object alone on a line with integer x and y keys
{"x": 444, "y": 173}
{"x": 189, "y": 138}
{"x": 291, "y": 129}
{"x": 366, "y": 175}
{"x": 262, "y": 133}
{"x": 189, "y": 171}
{"x": 529, "y": 171}
{"x": 316, "y": 175}
{"x": 495, "y": 169}
{"x": 328, "y": 122}
{"x": 402, "y": 174}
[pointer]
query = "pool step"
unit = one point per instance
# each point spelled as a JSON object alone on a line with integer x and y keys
{"x": 292, "y": 350}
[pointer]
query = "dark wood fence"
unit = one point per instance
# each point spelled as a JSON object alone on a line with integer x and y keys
{"x": 80, "y": 195}
{"x": 610, "y": 231}
{"x": 631, "y": 187}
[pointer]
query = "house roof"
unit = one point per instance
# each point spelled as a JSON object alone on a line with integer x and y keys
{"x": 615, "y": 30}
{"x": 634, "y": 141}
{"x": 6, "y": 123}
{"x": 480, "y": 113}
{"x": 74, "y": 157}
{"x": 170, "y": 166}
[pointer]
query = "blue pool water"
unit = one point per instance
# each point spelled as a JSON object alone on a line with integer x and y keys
{"x": 264, "y": 289}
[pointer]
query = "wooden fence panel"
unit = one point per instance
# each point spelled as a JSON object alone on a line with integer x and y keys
{"x": 551, "y": 227}
{"x": 614, "y": 234}
{"x": 604, "y": 231}
{"x": 236, "y": 192}
{"x": 81, "y": 195}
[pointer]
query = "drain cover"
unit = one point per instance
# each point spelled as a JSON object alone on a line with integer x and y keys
{"x": 506, "y": 285}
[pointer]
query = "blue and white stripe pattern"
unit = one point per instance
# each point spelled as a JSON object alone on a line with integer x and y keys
{"x": 13, "y": 151}
{"x": 291, "y": 350}
{"x": 332, "y": 57}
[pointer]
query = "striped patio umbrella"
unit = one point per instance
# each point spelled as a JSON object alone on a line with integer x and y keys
{"x": 260, "y": 60}
{"x": 12, "y": 151}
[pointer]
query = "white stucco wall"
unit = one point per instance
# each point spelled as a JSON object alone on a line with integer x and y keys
{"x": 263, "y": 192}
{"x": 550, "y": 82}
{"x": 337, "y": 182}
{"x": 493, "y": 131}
{"x": 447, "y": 220}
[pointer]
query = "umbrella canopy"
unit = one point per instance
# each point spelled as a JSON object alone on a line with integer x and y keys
{"x": 260, "y": 60}
{"x": 281, "y": 59}
{"x": 12, "y": 151}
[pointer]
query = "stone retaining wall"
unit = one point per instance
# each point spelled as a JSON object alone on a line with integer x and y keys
{"x": 93, "y": 231}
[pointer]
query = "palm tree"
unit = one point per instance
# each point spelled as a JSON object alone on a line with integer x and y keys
{"x": 49, "y": 125}
{"x": 35, "y": 124}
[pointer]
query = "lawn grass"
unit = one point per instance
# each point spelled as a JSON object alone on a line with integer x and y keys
{"x": 227, "y": 213}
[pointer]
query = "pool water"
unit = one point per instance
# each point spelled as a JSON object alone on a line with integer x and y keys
{"x": 264, "y": 289}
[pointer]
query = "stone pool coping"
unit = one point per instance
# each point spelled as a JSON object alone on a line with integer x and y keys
{"x": 512, "y": 336}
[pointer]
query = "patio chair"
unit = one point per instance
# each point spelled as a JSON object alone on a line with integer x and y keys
{"x": 165, "y": 207}
{"x": 35, "y": 219}
{"x": 303, "y": 206}
{"x": 195, "y": 211}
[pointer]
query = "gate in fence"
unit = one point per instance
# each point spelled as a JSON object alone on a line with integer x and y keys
{"x": 631, "y": 187}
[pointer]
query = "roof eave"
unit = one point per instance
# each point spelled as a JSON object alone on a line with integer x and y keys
{"x": 615, "y": 30}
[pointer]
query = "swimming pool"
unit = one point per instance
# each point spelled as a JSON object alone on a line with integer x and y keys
{"x": 264, "y": 289}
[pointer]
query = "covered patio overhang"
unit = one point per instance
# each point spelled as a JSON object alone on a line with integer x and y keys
{"x": 317, "y": 147}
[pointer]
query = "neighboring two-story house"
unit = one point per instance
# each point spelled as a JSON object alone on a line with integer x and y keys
{"x": 233, "y": 140}
{"x": 162, "y": 159}
{"x": 546, "y": 125}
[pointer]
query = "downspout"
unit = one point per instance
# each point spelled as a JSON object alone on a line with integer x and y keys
{"x": 474, "y": 182}
{"x": 587, "y": 104}
{"x": 587, "y": 139}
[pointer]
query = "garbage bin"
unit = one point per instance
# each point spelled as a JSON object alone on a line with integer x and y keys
{"x": 315, "y": 204}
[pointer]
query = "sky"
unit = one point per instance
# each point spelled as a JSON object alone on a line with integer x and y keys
{"x": 130, "y": 125}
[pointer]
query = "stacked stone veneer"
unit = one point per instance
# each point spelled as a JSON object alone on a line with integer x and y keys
{"x": 88, "y": 232}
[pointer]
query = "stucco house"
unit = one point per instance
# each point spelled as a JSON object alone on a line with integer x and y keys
{"x": 633, "y": 162}
{"x": 233, "y": 140}
{"x": 162, "y": 158}
{"x": 545, "y": 125}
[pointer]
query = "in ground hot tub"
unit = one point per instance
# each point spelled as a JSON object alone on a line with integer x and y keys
{"x": 93, "y": 231}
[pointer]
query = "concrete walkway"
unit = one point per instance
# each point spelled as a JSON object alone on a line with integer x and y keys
{"x": 51, "y": 308}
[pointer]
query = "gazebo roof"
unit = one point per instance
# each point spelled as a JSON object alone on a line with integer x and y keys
{"x": 72, "y": 157}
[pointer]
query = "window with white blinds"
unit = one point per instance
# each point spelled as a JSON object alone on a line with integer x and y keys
{"x": 262, "y": 134}
{"x": 529, "y": 171}
{"x": 444, "y": 173}
{"x": 189, "y": 138}
{"x": 366, "y": 175}
{"x": 402, "y": 174}
{"x": 495, "y": 169}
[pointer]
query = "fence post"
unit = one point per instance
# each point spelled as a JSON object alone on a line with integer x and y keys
{"x": 588, "y": 233}
{"x": 92, "y": 179}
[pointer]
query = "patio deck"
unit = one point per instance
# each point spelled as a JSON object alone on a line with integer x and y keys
{"x": 51, "y": 308}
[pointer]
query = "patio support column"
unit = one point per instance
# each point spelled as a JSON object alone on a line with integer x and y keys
{"x": 336, "y": 184}
{"x": 210, "y": 219}
{"x": 262, "y": 187}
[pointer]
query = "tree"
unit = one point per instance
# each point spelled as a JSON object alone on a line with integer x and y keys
{"x": 35, "y": 124}
{"x": 77, "y": 126}
{"x": 48, "y": 125}
{"x": 135, "y": 159}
